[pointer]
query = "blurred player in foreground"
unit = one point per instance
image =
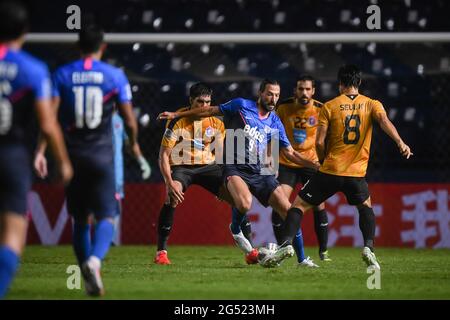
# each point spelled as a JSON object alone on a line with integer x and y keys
{"x": 24, "y": 90}
{"x": 85, "y": 92}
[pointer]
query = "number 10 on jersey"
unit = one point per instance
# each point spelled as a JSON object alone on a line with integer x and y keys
{"x": 88, "y": 106}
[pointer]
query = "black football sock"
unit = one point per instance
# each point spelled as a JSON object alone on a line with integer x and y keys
{"x": 291, "y": 225}
{"x": 246, "y": 228}
{"x": 321, "y": 228}
{"x": 165, "y": 223}
{"x": 277, "y": 225}
{"x": 367, "y": 225}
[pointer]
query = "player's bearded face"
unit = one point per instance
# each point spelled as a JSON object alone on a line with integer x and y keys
{"x": 269, "y": 97}
{"x": 304, "y": 91}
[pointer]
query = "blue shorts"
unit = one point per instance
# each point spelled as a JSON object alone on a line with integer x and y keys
{"x": 261, "y": 186}
{"x": 92, "y": 189}
{"x": 15, "y": 179}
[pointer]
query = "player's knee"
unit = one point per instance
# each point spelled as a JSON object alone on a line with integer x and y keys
{"x": 244, "y": 203}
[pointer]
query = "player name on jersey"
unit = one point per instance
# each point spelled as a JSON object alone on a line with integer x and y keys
{"x": 87, "y": 77}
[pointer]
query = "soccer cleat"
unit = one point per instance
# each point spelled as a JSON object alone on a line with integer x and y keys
{"x": 90, "y": 270}
{"x": 242, "y": 242}
{"x": 274, "y": 258}
{"x": 324, "y": 256}
{"x": 162, "y": 258}
{"x": 370, "y": 259}
{"x": 308, "y": 263}
{"x": 252, "y": 257}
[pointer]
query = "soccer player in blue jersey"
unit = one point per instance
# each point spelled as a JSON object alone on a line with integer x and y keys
{"x": 86, "y": 92}
{"x": 24, "y": 90}
{"x": 119, "y": 136}
{"x": 253, "y": 125}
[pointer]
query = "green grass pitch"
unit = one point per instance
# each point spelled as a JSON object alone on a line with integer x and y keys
{"x": 215, "y": 272}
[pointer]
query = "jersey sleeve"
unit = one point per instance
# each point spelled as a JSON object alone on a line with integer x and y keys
{"x": 40, "y": 83}
{"x": 170, "y": 137}
{"x": 231, "y": 107}
{"x": 377, "y": 107}
{"x": 55, "y": 84}
{"x": 123, "y": 87}
{"x": 324, "y": 116}
{"x": 284, "y": 141}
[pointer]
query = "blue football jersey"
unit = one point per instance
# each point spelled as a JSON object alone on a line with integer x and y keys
{"x": 88, "y": 90}
{"x": 250, "y": 133}
{"x": 23, "y": 80}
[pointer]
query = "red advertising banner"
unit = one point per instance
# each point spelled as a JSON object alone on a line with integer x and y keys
{"x": 407, "y": 215}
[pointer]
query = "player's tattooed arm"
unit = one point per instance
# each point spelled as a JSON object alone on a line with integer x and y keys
{"x": 207, "y": 111}
{"x": 321, "y": 135}
{"x": 388, "y": 127}
{"x": 296, "y": 157}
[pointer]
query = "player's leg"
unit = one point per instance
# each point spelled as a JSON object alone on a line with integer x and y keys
{"x": 165, "y": 224}
{"x": 320, "y": 218}
{"x": 321, "y": 229}
{"x": 103, "y": 203}
{"x": 319, "y": 188}
{"x": 13, "y": 229}
{"x": 242, "y": 199}
{"x": 117, "y": 220}
{"x": 357, "y": 192}
{"x": 15, "y": 182}
{"x": 277, "y": 220}
{"x": 287, "y": 177}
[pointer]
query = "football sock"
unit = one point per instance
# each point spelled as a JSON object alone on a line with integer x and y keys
{"x": 298, "y": 246}
{"x": 165, "y": 223}
{"x": 277, "y": 225}
{"x": 81, "y": 239}
{"x": 104, "y": 231}
{"x": 246, "y": 228}
{"x": 367, "y": 225}
{"x": 9, "y": 262}
{"x": 321, "y": 228}
{"x": 236, "y": 220}
{"x": 291, "y": 225}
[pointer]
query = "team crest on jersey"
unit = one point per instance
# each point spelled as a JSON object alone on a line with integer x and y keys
{"x": 209, "y": 132}
{"x": 267, "y": 129}
{"x": 312, "y": 120}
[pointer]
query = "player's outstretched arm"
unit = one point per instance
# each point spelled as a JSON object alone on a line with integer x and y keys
{"x": 388, "y": 127}
{"x": 295, "y": 157}
{"x": 164, "y": 166}
{"x": 51, "y": 133}
{"x": 207, "y": 111}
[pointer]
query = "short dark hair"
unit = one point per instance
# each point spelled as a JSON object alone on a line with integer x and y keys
{"x": 306, "y": 77}
{"x": 90, "y": 39}
{"x": 349, "y": 75}
{"x": 200, "y": 89}
{"x": 13, "y": 20}
{"x": 265, "y": 82}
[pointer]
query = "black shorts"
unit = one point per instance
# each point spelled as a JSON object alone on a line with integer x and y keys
{"x": 261, "y": 186}
{"x": 322, "y": 186}
{"x": 207, "y": 176}
{"x": 15, "y": 179}
{"x": 92, "y": 189}
{"x": 293, "y": 176}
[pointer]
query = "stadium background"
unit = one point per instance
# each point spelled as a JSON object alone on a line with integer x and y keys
{"x": 410, "y": 78}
